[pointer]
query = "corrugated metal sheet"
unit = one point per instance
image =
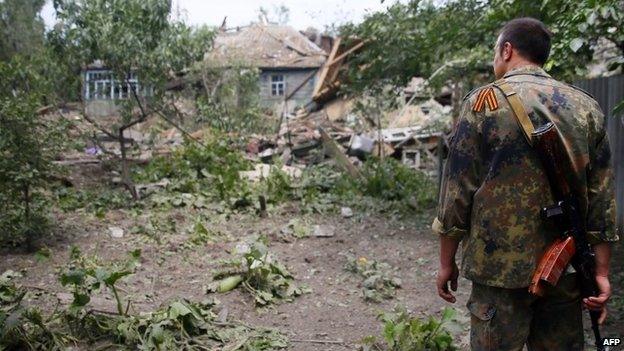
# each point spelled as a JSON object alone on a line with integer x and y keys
{"x": 609, "y": 91}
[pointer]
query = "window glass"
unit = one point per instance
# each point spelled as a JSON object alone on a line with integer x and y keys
{"x": 278, "y": 85}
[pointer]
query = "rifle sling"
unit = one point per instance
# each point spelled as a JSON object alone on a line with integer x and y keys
{"x": 518, "y": 109}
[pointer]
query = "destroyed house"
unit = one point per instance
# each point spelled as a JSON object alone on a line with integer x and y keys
{"x": 288, "y": 62}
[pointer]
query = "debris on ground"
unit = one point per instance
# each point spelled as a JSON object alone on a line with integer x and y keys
{"x": 346, "y": 212}
{"x": 380, "y": 281}
{"x": 323, "y": 231}
{"x": 116, "y": 232}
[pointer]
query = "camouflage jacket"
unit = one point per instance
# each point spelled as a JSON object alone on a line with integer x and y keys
{"x": 494, "y": 185}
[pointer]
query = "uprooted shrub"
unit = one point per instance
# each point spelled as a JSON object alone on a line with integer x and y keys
{"x": 258, "y": 272}
{"x": 24, "y": 327}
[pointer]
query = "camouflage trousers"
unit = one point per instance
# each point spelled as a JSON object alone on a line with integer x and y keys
{"x": 507, "y": 319}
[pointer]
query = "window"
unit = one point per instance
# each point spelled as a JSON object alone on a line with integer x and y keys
{"x": 101, "y": 85}
{"x": 277, "y": 85}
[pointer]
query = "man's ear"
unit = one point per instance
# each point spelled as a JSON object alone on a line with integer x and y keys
{"x": 507, "y": 51}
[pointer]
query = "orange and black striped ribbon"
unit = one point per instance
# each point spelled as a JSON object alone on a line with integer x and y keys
{"x": 486, "y": 96}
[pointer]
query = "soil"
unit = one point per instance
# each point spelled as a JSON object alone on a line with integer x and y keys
{"x": 334, "y": 316}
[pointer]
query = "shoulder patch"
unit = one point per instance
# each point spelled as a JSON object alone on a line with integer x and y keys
{"x": 486, "y": 96}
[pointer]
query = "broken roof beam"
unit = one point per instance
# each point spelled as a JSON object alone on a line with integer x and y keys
{"x": 325, "y": 68}
{"x": 329, "y": 80}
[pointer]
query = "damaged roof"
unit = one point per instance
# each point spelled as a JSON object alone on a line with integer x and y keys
{"x": 265, "y": 46}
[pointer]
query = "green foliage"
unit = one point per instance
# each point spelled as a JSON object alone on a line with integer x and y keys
{"x": 86, "y": 275}
{"x": 21, "y": 28}
{"x": 388, "y": 179}
{"x": 129, "y": 36}
{"x": 379, "y": 280}
{"x": 232, "y": 100}
{"x": 23, "y": 327}
{"x": 416, "y": 39}
{"x": 404, "y": 333}
{"x": 96, "y": 200}
{"x": 260, "y": 274}
{"x": 28, "y": 144}
{"x": 197, "y": 172}
{"x": 180, "y": 324}
{"x": 421, "y": 38}
{"x": 191, "y": 326}
{"x": 198, "y": 175}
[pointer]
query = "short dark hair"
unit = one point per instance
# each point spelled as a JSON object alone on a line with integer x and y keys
{"x": 529, "y": 36}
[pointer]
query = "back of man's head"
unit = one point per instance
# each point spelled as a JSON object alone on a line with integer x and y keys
{"x": 529, "y": 37}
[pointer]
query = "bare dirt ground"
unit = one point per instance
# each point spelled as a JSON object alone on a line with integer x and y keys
{"x": 334, "y": 316}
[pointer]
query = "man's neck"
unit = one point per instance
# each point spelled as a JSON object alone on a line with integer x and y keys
{"x": 520, "y": 64}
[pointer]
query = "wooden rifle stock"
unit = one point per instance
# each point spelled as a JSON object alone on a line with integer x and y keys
{"x": 573, "y": 246}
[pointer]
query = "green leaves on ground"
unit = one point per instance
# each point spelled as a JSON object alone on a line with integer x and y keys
{"x": 180, "y": 325}
{"x": 86, "y": 275}
{"x": 259, "y": 273}
{"x": 23, "y": 327}
{"x": 379, "y": 279}
{"x": 192, "y": 326}
{"x": 404, "y": 333}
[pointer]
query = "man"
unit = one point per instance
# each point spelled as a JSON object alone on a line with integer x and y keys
{"x": 494, "y": 187}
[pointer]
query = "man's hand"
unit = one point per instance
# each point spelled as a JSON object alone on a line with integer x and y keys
{"x": 446, "y": 274}
{"x": 599, "y": 303}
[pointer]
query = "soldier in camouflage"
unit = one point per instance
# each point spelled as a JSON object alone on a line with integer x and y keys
{"x": 493, "y": 190}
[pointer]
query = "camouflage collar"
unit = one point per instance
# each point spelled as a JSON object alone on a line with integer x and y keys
{"x": 527, "y": 70}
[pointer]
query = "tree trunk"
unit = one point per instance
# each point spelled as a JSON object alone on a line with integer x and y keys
{"x": 27, "y": 220}
{"x": 125, "y": 171}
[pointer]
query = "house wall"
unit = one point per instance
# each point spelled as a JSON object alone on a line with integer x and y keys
{"x": 293, "y": 78}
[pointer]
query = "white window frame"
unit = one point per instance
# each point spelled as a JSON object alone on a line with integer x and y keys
{"x": 101, "y": 85}
{"x": 278, "y": 85}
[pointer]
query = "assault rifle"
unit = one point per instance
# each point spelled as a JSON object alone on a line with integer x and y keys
{"x": 572, "y": 247}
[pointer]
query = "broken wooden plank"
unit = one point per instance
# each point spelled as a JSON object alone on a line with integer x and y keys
{"x": 333, "y": 150}
{"x": 325, "y": 68}
{"x": 348, "y": 52}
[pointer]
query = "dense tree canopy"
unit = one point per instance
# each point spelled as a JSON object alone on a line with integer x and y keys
{"x": 21, "y": 27}
{"x": 454, "y": 40}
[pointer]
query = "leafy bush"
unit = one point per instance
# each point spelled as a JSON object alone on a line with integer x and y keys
{"x": 28, "y": 144}
{"x": 233, "y": 101}
{"x": 212, "y": 170}
{"x": 388, "y": 179}
{"x": 404, "y": 333}
{"x": 200, "y": 174}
